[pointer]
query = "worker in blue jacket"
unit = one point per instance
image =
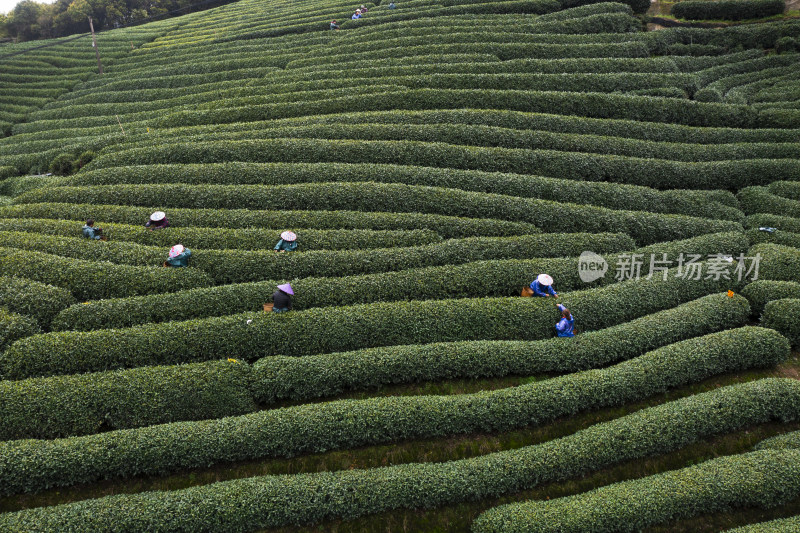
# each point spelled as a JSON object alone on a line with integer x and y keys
{"x": 90, "y": 232}
{"x": 178, "y": 256}
{"x": 566, "y": 326}
{"x": 543, "y": 286}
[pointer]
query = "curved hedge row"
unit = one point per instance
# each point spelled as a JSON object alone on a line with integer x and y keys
{"x": 14, "y": 326}
{"x": 232, "y": 266}
{"x": 787, "y": 189}
{"x": 272, "y": 501}
{"x": 223, "y": 238}
{"x": 727, "y": 9}
{"x": 351, "y": 423}
{"x": 479, "y": 279}
{"x": 446, "y": 226}
{"x": 644, "y": 227}
{"x": 91, "y": 280}
{"x": 38, "y": 300}
{"x": 597, "y": 105}
{"x": 782, "y": 315}
{"x": 757, "y": 293}
{"x": 80, "y": 404}
{"x": 781, "y": 263}
{"x": 277, "y": 378}
{"x": 63, "y": 406}
{"x": 773, "y": 526}
{"x": 759, "y": 220}
{"x": 784, "y": 441}
{"x": 323, "y": 330}
{"x": 761, "y": 200}
{"x": 656, "y": 173}
{"x": 610, "y": 195}
{"x": 762, "y": 479}
{"x": 784, "y": 238}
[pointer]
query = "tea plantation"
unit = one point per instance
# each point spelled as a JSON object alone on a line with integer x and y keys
{"x": 433, "y": 159}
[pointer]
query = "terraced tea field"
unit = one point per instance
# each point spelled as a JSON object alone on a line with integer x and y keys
{"x": 432, "y": 159}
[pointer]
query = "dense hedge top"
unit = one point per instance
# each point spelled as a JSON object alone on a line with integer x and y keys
{"x": 433, "y": 160}
{"x": 286, "y": 500}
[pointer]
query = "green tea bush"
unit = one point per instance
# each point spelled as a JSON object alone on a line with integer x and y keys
{"x": 349, "y": 423}
{"x": 333, "y": 329}
{"x": 762, "y": 291}
{"x": 761, "y": 200}
{"x": 63, "y": 406}
{"x": 787, "y": 189}
{"x": 447, "y": 226}
{"x": 90, "y": 280}
{"x": 83, "y": 401}
{"x": 782, "y": 315}
{"x": 656, "y": 173}
{"x": 223, "y": 238}
{"x": 780, "y": 263}
{"x": 306, "y": 378}
{"x": 272, "y": 501}
{"x": 762, "y": 479}
{"x": 785, "y": 223}
{"x": 727, "y": 9}
{"x": 14, "y": 326}
{"x": 790, "y": 440}
{"x": 232, "y": 266}
{"x": 478, "y": 279}
{"x": 644, "y": 227}
{"x": 30, "y": 298}
{"x": 773, "y": 526}
{"x": 784, "y": 238}
{"x": 596, "y": 105}
{"x": 63, "y": 165}
{"x": 610, "y": 195}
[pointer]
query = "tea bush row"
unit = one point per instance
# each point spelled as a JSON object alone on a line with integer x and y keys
{"x": 642, "y": 226}
{"x": 224, "y": 238}
{"x": 762, "y": 479}
{"x": 30, "y": 298}
{"x": 490, "y": 136}
{"x": 334, "y": 329}
{"x": 233, "y": 266}
{"x": 91, "y": 280}
{"x": 447, "y": 226}
{"x": 762, "y": 291}
{"x": 655, "y": 173}
{"x": 152, "y": 395}
{"x": 727, "y": 9}
{"x": 271, "y": 501}
{"x": 610, "y": 195}
{"x": 484, "y": 278}
{"x": 778, "y": 262}
{"x": 782, "y": 315}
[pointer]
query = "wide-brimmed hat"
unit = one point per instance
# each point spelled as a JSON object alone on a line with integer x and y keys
{"x": 286, "y": 288}
{"x": 176, "y": 250}
{"x": 158, "y": 215}
{"x": 288, "y": 236}
{"x": 545, "y": 280}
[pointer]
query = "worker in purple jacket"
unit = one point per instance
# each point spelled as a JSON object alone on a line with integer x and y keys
{"x": 566, "y": 326}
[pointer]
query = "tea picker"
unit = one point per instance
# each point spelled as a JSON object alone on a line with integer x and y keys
{"x": 281, "y": 299}
{"x": 287, "y": 242}
{"x": 566, "y": 326}
{"x": 90, "y": 232}
{"x": 157, "y": 220}
{"x": 178, "y": 256}
{"x": 542, "y": 286}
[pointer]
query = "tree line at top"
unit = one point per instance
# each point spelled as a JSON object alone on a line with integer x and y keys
{"x": 30, "y": 20}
